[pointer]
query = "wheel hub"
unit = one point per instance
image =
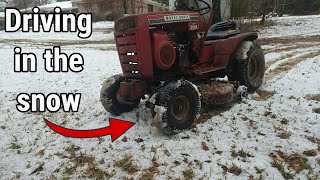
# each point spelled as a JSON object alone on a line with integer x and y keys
{"x": 181, "y": 107}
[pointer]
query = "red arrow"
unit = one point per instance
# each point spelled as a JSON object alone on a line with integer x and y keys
{"x": 116, "y": 129}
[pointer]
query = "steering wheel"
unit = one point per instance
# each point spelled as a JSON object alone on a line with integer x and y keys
{"x": 182, "y": 6}
{"x": 206, "y": 9}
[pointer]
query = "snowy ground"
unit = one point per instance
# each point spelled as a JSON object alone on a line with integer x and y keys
{"x": 274, "y": 135}
{"x": 293, "y": 26}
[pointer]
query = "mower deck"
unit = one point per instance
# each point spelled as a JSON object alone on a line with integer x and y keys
{"x": 217, "y": 92}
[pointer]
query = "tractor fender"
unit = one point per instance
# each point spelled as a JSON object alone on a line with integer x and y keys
{"x": 243, "y": 43}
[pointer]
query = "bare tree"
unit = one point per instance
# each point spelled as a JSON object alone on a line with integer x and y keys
{"x": 3, "y": 4}
{"x": 88, "y": 5}
{"x": 130, "y": 6}
{"x": 136, "y": 6}
{"x": 281, "y": 5}
{"x": 105, "y": 5}
{"x": 264, "y": 6}
{"x": 124, "y": 5}
{"x": 24, "y": 4}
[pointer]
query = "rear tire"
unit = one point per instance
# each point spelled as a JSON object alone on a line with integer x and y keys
{"x": 108, "y": 96}
{"x": 249, "y": 70}
{"x": 180, "y": 103}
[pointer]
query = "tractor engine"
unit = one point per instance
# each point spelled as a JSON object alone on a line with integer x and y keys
{"x": 164, "y": 53}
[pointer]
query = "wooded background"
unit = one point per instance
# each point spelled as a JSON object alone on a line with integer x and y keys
{"x": 275, "y": 7}
{"x": 239, "y": 8}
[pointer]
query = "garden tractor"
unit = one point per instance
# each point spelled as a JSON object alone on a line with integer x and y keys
{"x": 178, "y": 60}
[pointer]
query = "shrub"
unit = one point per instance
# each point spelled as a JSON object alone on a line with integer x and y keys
{"x": 113, "y": 16}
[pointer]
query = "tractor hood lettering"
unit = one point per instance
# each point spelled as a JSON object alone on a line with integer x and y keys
{"x": 176, "y": 18}
{"x": 153, "y": 20}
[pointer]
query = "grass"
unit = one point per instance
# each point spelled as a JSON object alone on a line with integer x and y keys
{"x": 205, "y": 146}
{"x": 316, "y": 110}
{"x": 234, "y": 169}
{"x": 310, "y": 153}
{"x": 15, "y": 145}
{"x": 147, "y": 175}
{"x": 285, "y": 121}
{"x": 92, "y": 171}
{"x": 256, "y": 26}
{"x": 264, "y": 95}
{"x": 242, "y": 153}
{"x": 126, "y": 164}
{"x": 280, "y": 167}
{"x": 295, "y": 162}
{"x": 83, "y": 159}
{"x": 258, "y": 170}
{"x": 284, "y": 135}
{"x": 313, "y": 97}
{"x": 41, "y": 153}
{"x": 298, "y": 163}
{"x": 150, "y": 173}
{"x": 72, "y": 150}
{"x": 97, "y": 173}
{"x": 188, "y": 174}
{"x": 204, "y": 117}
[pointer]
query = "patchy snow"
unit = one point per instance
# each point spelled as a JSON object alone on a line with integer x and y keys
{"x": 103, "y": 25}
{"x": 243, "y": 135}
{"x": 63, "y": 4}
{"x": 196, "y": 88}
{"x": 153, "y": 98}
{"x": 157, "y": 120}
{"x": 242, "y": 51}
{"x": 51, "y": 6}
{"x": 177, "y": 84}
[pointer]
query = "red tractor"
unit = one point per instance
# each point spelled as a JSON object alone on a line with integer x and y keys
{"x": 175, "y": 58}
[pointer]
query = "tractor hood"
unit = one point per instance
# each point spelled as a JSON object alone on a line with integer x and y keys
{"x": 159, "y": 18}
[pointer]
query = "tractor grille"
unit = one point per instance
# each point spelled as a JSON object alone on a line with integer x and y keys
{"x": 127, "y": 48}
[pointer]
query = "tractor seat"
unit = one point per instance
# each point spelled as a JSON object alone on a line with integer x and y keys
{"x": 223, "y": 30}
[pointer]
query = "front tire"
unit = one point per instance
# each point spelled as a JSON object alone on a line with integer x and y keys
{"x": 249, "y": 66}
{"x": 108, "y": 96}
{"x": 180, "y": 104}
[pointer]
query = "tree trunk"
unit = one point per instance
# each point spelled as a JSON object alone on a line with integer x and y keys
{"x": 217, "y": 13}
{"x": 125, "y": 7}
{"x": 264, "y": 12}
{"x": 25, "y": 4}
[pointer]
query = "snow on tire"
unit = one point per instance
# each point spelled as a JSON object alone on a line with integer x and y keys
{"x": 177, "y": 106}
{"x": 249, "y": 68}
{"x": 108, "y": 97}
